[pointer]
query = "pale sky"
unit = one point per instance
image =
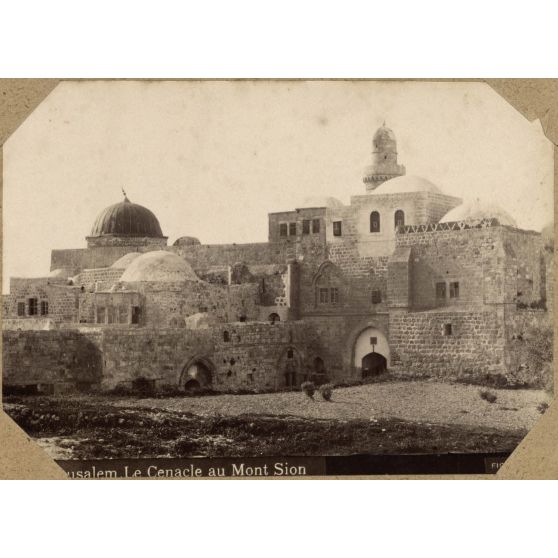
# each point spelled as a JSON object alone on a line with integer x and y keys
{"x": 211, "y": 159}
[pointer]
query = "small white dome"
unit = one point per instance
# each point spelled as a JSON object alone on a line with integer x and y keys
{"x": 321, "y": 201}
{"x": 125, "y": 260}
{"x": 476, "y": 210}
{"x": 63, "y": 273}
{"x": 406, "y": 184}
{"x": 159, "y": 266}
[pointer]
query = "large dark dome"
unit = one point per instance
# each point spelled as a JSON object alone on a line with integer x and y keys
{"x": 127, "y": 219}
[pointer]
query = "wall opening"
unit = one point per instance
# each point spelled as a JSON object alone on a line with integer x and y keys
{"x": 373, "y": 364}
{"x": 371, "y": 352}
{"x": 399, "y": 219}
{"x": 274, "y": 317}
{"x": 374, "y": 222}
{"x": 196, "y": 375}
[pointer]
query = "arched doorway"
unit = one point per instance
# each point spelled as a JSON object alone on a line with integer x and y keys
{"x": 373, "y": 364}
{"x": 197, "y": 374}
{"x": 371, "y": 355}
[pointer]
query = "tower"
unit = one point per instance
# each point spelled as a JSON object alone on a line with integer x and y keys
{"x": 384, "y": 159}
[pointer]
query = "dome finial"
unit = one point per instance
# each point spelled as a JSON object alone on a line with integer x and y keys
{"x": 125, "y": 196}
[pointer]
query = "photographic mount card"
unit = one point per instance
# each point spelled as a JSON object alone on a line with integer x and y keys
{"x": 380, "y": 321}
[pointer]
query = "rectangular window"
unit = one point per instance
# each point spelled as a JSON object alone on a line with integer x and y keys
{"x": 376, "y": 297}
{"x": 306, "y": 226}
{"x": 441, "y": 291}
{"x": 136, "y": 314}
{"x": 373, "y": 340}
{"x": 315, "y": 226}
{"x": 324, "y": 296}
{"x": 101, "y": 313}
{"x": 454, "y": 289}
{"x": 292, "y": 229}
{"x": 283, "y": 229}
{"x": 44, "y": 307}
{"x": 334, "y": 295}
{"x": 33, "y": 307}
{"x": 448, "y": 329}
{"x": 336, "y": 228}
{"x": 21, "y": 308}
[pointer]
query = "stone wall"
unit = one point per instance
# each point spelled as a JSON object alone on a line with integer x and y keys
{"x": 474, "y": 258}
{"x": 522, "y": 327}
{"x": 55, "y": 358}
{"x": 94, "y": 257}
{"x": 421, "y": 344}
{"x": 240, "y": 356}
{"x": 204, "y": 256}
{"x": 62, "y": 299}
{"x": 98, "y": 279}
{"x": 166, "y": 304}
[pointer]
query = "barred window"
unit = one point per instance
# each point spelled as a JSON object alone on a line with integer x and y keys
{"x": 376, "y": 297}
{"x": 324, "y": 296}
{"x": 44, "y": 307}
{"x": 441, "y": 291}
{"x": 306, "y": 226}
{"x": 315, "y": 225}
{"x": 21, "y": 308}
{"x": 292, "y": 229}
{"x": 283, "y": 231}
{"x": 336, "y": 228}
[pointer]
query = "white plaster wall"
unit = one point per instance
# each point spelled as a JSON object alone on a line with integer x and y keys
{"x": 363, "y": 346}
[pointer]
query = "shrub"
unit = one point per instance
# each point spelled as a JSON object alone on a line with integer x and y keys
{"x": 488, "y": 396}
{"x": 308, "y": 388}
{"x": 326, "y": 391}
{"x": 542, "y": 407}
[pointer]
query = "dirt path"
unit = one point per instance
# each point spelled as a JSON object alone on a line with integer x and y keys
{"x": 420, "y": 401}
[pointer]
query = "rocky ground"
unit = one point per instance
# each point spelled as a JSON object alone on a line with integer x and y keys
{"x": 387, "y": 418}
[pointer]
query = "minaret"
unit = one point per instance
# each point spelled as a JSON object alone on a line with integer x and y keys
{"x": 384, "y": 159}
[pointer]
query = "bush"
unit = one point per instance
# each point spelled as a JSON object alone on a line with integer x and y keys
{"x": 542, "y": 407}
{"x": 488, "y": 396}
{"x": 308, "y": 388}
{"x": 326, "y": 391}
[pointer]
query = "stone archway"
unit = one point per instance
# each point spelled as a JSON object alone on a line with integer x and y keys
{"x": 196, "y": 374}
{"x": 371, "y": 353}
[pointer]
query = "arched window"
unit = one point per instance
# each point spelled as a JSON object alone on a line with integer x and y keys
{"x": 374, "y": 222}
{"x": 399, "y": 218}
{"x": 274, "y": 317}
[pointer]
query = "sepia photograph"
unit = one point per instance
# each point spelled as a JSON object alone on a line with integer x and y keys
{"x": 356, "y": 271}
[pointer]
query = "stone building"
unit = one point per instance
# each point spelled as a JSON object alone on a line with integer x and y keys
{"x": 405, "y": 277}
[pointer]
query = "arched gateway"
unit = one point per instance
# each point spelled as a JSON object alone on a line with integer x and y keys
{"x": 371, "y": 354}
